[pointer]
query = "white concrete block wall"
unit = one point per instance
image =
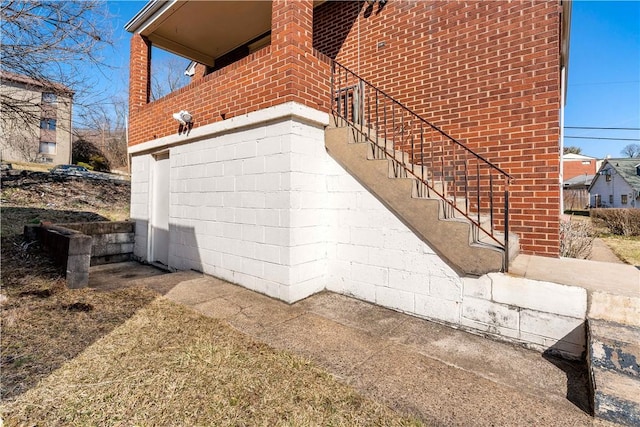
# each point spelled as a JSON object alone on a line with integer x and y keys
{"x": 139, "y": 209}
{"x": 546, "y": 316}
{"x": 373, "y": 256}
{"x": 257, "y": 201}
{"x": 246, "y": 201}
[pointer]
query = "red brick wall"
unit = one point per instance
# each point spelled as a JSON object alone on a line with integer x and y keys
{"x": 573, "y": 168}
{"x": 486, "y": 72}
{"x": 285, "y": 71}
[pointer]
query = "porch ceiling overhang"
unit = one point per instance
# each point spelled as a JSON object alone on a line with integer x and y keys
{"x": 201, "y": 30}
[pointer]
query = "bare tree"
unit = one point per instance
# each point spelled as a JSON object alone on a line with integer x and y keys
{"x": 167, "y": 75}
{"x": 631, "y": 150}
{"x": 572, "y": 150}
{"x": 53, "y": 46}
{"x": 105, "y": 126}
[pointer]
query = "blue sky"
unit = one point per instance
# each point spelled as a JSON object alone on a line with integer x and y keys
{"x": 604, "y": 71}
{"x": 604, "y": 75}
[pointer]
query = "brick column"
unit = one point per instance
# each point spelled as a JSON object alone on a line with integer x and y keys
{"x": 292, "y": 40}
{"x": 140, "y": 73}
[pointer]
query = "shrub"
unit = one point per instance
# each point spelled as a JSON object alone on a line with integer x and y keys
{"x": 99, "y": 163}
{"x": 86, "y": 165}
{"x": 576, "y": 239}
{"x": 622, "y": 222}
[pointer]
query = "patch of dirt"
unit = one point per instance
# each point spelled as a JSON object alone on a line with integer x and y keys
{"x": 43, "y": 323}
{"x": 44, "y": 190}
{"x": 31, "y": 197}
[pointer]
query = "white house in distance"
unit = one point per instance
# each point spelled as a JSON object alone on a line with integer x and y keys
{"x": 617, "y": 184}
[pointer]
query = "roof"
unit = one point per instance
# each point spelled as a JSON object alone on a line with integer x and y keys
{"x": 627, "y": 168}
{"x": 579, "y": 181}
{"x": 45, "y": 85}
{"x": 573, "y": 156}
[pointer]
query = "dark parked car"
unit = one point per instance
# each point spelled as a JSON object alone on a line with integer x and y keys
{"x": 70, "y": 170}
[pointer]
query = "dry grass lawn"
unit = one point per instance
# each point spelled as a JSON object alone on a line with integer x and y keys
{"x": 627, "y": 248}
{"x": 167, "y": 365}
{"x": 131, "y": 357}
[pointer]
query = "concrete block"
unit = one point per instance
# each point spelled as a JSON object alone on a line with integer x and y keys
{"x": 214, "y": 169}
{"x": 77, "y": 271}
{"x": 479, "y": 287}
{"x": 448, "y": 288}
{"x": 568, "y": 301}
{"x": 246, "y": 183}
{"x": 304, "y": 289}
{"x": 395, "y": 299}
{"x": 615, "y": 347}
{"x": 269, "y": 146}
{"x": 490, "y": 313}
{"x": 437, "y": 309}
{"x": 352, "y": 253}
{"x": 253, "y": 233}
{"x": 403, "y": 280}
{"x": 366, "y": 237}
{"x": 389, "y": 258}
{"x": 498, "y": 332}
{"x": 276, "y": 273}
{"x": 553, "y": 326}
{"x": 623, "y": 309}
{"x": 268, "y": 253}
{"x": 616, "y": 397}
{"x": 361, "y": 290}
{"x": 79, "y": 244}
{"x": 246, "y": 150}
{"x": 252, "y": 200}
{"x": 277, "y": 163}
{"x": 377, "y": 276}
{"x": 277, "y": 236}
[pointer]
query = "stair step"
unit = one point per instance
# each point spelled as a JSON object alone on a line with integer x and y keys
{"x": 613, "y": 356}
{"x": 452, "y": 239}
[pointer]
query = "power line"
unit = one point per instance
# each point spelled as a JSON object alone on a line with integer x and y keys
{"x": 596, "y": 128}
{"x": 610, "y": 139}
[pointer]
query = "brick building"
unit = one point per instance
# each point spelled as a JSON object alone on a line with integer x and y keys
{"x": 39, "y": 129}
{"x": 574, "y": 165}
{"x": 459, "y": 100}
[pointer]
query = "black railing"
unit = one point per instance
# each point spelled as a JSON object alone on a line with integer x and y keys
{"x": 468, "y": 184}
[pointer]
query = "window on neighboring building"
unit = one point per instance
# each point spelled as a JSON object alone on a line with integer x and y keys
{"x": 49, "y": 98}
{"x": 611, "y": 199}
{"x": 48, "y": 124}
{"x": 623, "y": 199}
{"x": 586, "y": 162}
{"x": 47, "y": 147}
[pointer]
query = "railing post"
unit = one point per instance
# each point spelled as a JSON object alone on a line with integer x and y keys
{"x": 506, "y": 226}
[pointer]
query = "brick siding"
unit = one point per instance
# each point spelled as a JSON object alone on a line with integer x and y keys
{"x": 573, "y": 168}
{"x": 485, "y": 72}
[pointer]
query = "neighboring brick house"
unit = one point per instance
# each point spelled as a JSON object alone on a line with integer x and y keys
{"x": 256, "y": 189}
{"x": 617, "y": 184}
{"x": 39, "y": 129}
{"x": 574, "y": 165}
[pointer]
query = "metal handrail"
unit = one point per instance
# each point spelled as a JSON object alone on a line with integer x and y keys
{"x": 440, "y": 163}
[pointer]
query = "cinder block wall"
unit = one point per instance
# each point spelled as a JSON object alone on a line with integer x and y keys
{"x": 258, "y": 201}
{"x": 488, "y": 73}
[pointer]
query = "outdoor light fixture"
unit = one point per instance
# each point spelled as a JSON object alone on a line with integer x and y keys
{"x": 183, "y": 117}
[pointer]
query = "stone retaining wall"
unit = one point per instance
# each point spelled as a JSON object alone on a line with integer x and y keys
{"x": 77, "y": 246}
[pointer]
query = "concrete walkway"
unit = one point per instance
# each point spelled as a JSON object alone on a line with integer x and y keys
{"x": 601, "y": 252}
{"x": 440, "y": 375}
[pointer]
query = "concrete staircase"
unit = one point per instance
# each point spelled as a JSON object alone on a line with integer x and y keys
{"x": 451, "y": 235}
